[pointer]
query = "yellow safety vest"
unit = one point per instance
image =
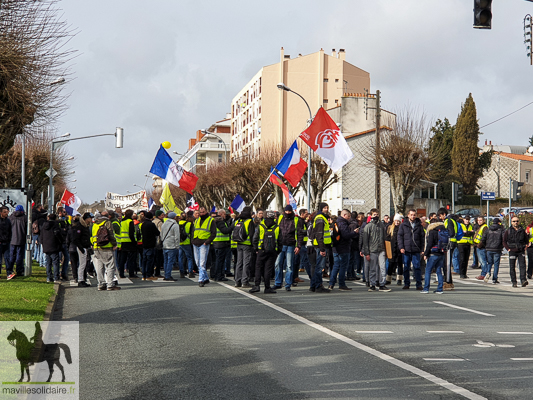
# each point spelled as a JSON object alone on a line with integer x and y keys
{"x": 452, "y": 239}
{"x": 466, "y": 240}
{"x": 479, "y": 234}
{"x": 124, "y": 236}
{"x": 262, "y": 230}
{"x": 327, "y": 232}
{"x": 222, "y": 237}
{"x": 187, "y": 230}
{"x": 248, "y": 240}
{"x": 203, "y": 231}
{"x": 94, "y": 234}
{"x": 295, "y": 227}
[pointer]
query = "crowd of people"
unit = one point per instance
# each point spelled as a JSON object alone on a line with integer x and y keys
{"x": 265, "y": 247}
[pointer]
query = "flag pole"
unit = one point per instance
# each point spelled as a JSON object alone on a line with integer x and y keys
{"x": 261, "y": 188}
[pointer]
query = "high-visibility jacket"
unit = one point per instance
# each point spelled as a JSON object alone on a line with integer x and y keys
{"x": 222, "y": 237}
{"x": 248, "y": 240}
{"x": 529, "y": 232}
{"x": 202, "y": 231}
{"x": 138, "y": 232}
{"x": 125, "y": 231}
{"x": 479, "y": 234}
{"x": 296, "y": 219}
{"x": 452, "y": 239}
{"x": 262, "y": 230}
{"x": 95, "y": 229}
{"x": 327, "y": 232}
{"x": 465, "y": 239}
{"x": 187, "y": 230}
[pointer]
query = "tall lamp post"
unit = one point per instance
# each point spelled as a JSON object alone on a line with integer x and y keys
{"x": 282, "y": 86}
{"x": 206, "y": 132}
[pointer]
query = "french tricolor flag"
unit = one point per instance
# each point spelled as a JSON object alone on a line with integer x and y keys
{"x": 292, "y": 166}
{"x": 165, "y": 168}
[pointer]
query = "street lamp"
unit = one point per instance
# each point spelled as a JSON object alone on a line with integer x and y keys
{"x": 282, "y": 86}
{"x": 138, "y": 186}
{"x": 206, "y": 132}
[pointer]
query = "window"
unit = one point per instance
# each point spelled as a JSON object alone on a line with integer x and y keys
{"x": 219, "y": 157}
{"x": 325, "y": 101}
{"x": 528, "y": 174}
{"x": 326, "y": 80}
{"x": 336, "y": 101}
{"x": 336, "y": 80}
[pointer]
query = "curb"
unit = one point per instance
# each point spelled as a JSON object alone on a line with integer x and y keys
{"x": 52, "y": 303}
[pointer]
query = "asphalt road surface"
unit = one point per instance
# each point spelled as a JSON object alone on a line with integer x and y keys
{"x": 159, "y": 340}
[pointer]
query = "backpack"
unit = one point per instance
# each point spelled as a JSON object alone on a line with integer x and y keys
{"x": 460, "y": 233}
{"x": 239, "y": 233}
{"x": 183, "y": 232}
{"x": 102, "y": 236}
{"x": 443, "y": 241}
{"x": 35, "y": 227}
{"x": 269, "y": 239}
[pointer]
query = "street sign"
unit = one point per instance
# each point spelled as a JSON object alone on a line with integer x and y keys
{"x": 353, "y": 202}
{"x": 54, "y": 173}
{"x": 488, "y": 195}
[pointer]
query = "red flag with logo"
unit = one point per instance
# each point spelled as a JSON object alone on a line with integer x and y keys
{"x": 326, "y": 139}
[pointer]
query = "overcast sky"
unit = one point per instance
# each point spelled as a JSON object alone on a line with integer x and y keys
{"x": 163, "y": 69}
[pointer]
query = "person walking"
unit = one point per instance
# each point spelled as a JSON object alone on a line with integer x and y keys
{"x": 437, "y": 244}
{"x": 170, "y": 237}
{"x": 38, "y": 217}
{"x": 6, "y": 230}
{"x": 322, "y": 243}
{"x": 492, "y": 240}
{"x": 18, "y": 241}
{"x": 222, "y": 245}
{"x": 341, "y": 251}
{"x": 411, "y": 238}
{"x": 515, "y": 240}
{"x": 150, "y": 234}
{"x": 203, "y": 234}
{"x": 374, "y": 251}
{"x": 82, "y": 241}
{"x": 246, "y": 229}
{"x": 104, "y": 243}
{"x": 52, "y": 242}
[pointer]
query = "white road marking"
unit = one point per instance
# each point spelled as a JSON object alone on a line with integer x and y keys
{"x": 374, "y": 332}
{"x": 464, "y": 309}
{"x": 515, "y": 333}
{"x": 385, "y": 357}
{"x": 522, "y": 359}
{"x": 444, "y": 359}
{"x": 444, "y": 331}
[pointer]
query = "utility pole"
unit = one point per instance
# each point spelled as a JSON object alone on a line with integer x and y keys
{"x": 378, "y": 145}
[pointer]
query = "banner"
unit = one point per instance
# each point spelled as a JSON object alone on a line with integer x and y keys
{"x": 11, "y": 198}
{"x": 135, "y": 201}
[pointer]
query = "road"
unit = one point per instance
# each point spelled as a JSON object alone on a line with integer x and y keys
{"x": 165, "y": 340}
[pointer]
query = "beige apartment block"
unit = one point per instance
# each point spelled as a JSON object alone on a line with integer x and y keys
{"x": 263, "y": 115}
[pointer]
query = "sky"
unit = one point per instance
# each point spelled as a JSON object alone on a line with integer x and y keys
{"x": 164, "y": 69}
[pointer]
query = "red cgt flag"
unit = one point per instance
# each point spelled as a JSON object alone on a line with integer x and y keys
{"x": 325, "y": 138}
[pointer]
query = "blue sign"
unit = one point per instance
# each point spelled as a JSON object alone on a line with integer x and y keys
{"x": 488, "y": 195}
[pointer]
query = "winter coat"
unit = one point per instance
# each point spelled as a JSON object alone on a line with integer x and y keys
{"x": 170, "y": 235}
{"x": 71, "y": 236}
{"x": 515, "y": 240}
{"x": 432, "y": 239}
{"x": 347, "y": 235}
{"x": 374, "y": 238}
{"x": 492, "y": 238}
{"x": 361, "y": 230}
{"x": 269, "y": 223}
{"x": 392, "y": 237}
{"x": 291, "y": 234}
{"x": 81, "y": 238}
{"x": 411, "y": 239}
{"x": 318, "y": 232}
{"x": 18, "y": 228}
{"x": 149, "y": 234}
{"x": 225, "y": 226}
{"x": 354, "y": 246}
{"x": 64, "y": 225}
{"x": 6, "y": 230}
{"x": 38, "y": 216}
{"x": 51, "y": 238}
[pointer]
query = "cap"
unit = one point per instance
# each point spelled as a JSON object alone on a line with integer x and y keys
{"x": 158, "y": 213}
{"x": 172, "y": 215}
{"x": 19, "y": 208}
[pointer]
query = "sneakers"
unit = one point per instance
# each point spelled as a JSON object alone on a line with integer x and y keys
{"x": 255, "y": 289}
{"x": 201, "y": 283}
{"x": 344, "y": 288}
{"x": 425, "y": 292}
{"x": 480, "y": 278}
{"x": 276, "y": 287}
{"x": 487, "y": 277}
{"x": 11, "y": 276}
{"x": 151, "y": 278}
{"x": 330, "y": 287}
{"x": 83, "y": 284}
{"x": 103, "y": 287}
{"x": 182, "y": 275}
{"x": 238, "y": 284}
{"x": 515, "y": 285}
{"x": 438, "y": 292}
{"x": 384, "y": 289}
{"x": 372, "y": 288}
{"x": 269, "y": 290}
{"x": 399, "y": 282}
{"x": 525, "y": 283}
{"x": 113, "y": 288}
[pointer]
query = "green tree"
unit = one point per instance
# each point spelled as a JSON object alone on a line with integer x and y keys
{"x": 467, "y": 164}
{"x": 442, "y": 140}
{"x": 531, "y": 140}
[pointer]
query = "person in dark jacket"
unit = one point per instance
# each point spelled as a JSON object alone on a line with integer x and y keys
{"x": 224, "y": 226}
{"x": 355, "y": 258}
{"x": 341, "y": 251}
{"x": 128, "y": 249}
{"x": 72, "y": 249}
{"x": 434, "y": 255}
{"x": 492, "y": 240}
{"x": 82, "y": 241}
{"x": 292, "y": 234}
{"x": 515, "y": 240}
{"x": 264, "y": 267}
{"x": 149, "y": 234}
{"x": 245, "y": 250}
{"x": 52, "y": 242}
{"x": 322, "y": 245}
{"x": 6, "y": 231}
{"x": 411, "y": 243}
{"x": 64, "y": 225}
{"x": 396, "y": 261}
{"x": 18, "y": 241}
{"x": 374, "y": 251}
{"x": 39, "y": 215}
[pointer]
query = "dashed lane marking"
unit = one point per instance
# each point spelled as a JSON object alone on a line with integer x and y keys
{"x": 444, "y": 331}
{"x": 464, "y": 309}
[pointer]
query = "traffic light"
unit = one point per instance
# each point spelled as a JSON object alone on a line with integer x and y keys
{"x": 457, "y": 192}
{"x": 517, "y": 190}
{"x": 448, "y": 207}
{"x": 482, "y": 14}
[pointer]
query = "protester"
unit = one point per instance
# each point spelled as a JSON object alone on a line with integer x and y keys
{"x": 515, "y": 240}
{"x": 18, "y": 241}
{"x": 492, "y": 240}
{"x": 322, "y": 243}
{"x": 246, "y": 230}
{"x": 436, "y": 247}
{"x": 464, "y": 245}
{"x": 374, "y": 251}
{"x": 150, "y": 234}
{"x": 479, "y": 247}
{"x": 82, "y": 241}
{"x": 6, "y": 231}
{"x": 127, "y": 243}
{"x": 52, "y": 242}
{"x": 158, "y": 263}
{"x": 104, "y": 243}
{"x": 38, "y": 217}
{"x": 170, "y": 237}
{"x": 203, "y": 234}
{"x": 185, "y": 251}
{"x": 411, "y": 238}
{"x": 222, "y": 245}
{"x": 341, "y": 250}
{"x": 396, "y": 256}
{"x": 64, "y": 225}
{"x": 267, "y": 242}
{"x": 72, "y": 248}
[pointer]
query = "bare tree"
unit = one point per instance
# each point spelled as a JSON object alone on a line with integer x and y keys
{"x": 33, "y": 59}
{"x": 322, "y": 177}
{"x": 403, "y": 153}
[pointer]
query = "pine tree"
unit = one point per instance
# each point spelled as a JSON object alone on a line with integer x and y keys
{"x": 442, "y": 139}
{"x": 466, "y": 166}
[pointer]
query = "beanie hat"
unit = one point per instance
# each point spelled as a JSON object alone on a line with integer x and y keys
{"x": 496, "y": 221}
{"x": 321, "y": 206}
{"x": 288, "y": 207}
{"x": 19, "y": 208}
{"x": 148, "y": 215}
{"x": 87, "y": 215}
{"x": 270, "y": 214}
{"x": 172, "y": 215}
{"x": 398, "y": 217}
{"x": 158, "y": 213}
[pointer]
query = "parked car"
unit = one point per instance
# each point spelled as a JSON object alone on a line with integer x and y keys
{"x": 473, "y": 212}
{"x": 516, "y": 210}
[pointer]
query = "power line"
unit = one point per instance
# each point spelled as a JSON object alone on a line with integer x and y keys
{"x": 505, "y": 116}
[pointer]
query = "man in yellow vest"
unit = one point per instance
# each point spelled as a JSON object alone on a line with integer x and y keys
{"x": 245, "y": 227}
{"x": 222, "y": 245}
{"x": 464, "y": 246}
{"x": 204, "y": 232}
{"x": 103, "y": 252}
{"x": 128, "y": 246}
{"x": 185, "y": 255}
{"x": 481, "y": 251}
{"x": 322, "y": 244}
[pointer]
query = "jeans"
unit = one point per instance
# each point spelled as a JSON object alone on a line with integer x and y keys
{"x": 17, "y": 258}
{"x": 169, "y": 258}
{"x": 4, "y": 253}
{"x": 200, "y": 255}
{"x": 66, "y": 259}
{"x": 436, "y": 262}
{"x": 304, "y": 260}
{"x": 148, "y": 262}
{"x": 316, "y": 281}
{"x": 482, "y": 259}
{"x": 52, "y": 260}
{"x": 493, "y": 258}
{"x": 223, "y": 258}
{"x": 413, "y": 258}
{"x": 455, "y": 260}
{"x": 185, "y": 254}
{"x": 287, "y": 254}
{"x": 377, "y": 272}
{"x": 339, "y": 268}
{"x": 475, "y": 259}
{"x": 35, "y": 247}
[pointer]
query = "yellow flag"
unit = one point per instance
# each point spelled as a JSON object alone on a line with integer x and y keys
{"x": 167, "y": 201}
